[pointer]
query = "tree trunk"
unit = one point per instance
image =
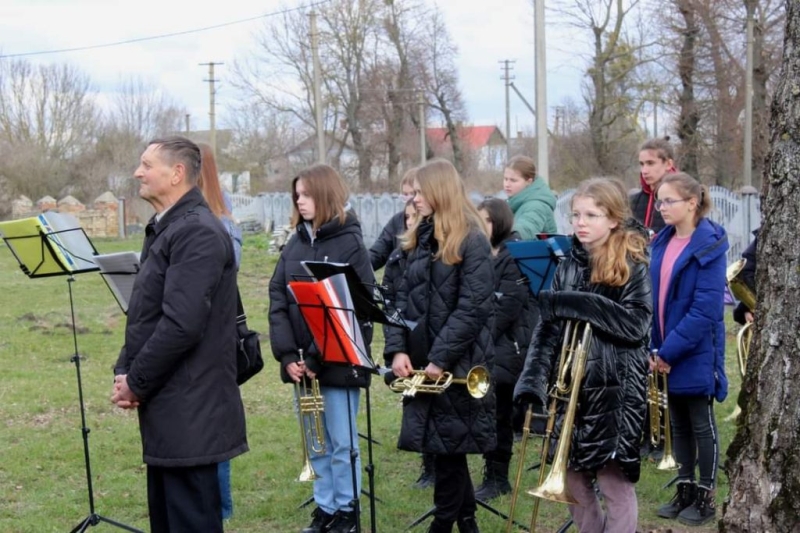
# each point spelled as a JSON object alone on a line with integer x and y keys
{"x": 764, "y": 467}
{"x": 689, "y": 114}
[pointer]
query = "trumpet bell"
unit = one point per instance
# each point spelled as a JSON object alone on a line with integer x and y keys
{"x": 554, "y": 489}
{"x": 478, "y": 382}
{"x": 668, "y": 462}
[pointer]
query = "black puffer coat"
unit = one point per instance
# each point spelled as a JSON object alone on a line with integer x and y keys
{"x": 643, "y": 207}
{"x": 454, "y": 304}
{"x": 388, "y": 240}
{"x": 611, "y": 402}
{"x": 335, "y": 243}
{"x": 515, "y": 314}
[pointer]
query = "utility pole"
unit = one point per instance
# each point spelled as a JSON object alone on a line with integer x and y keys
{"x": 422, "y": 148}
{"x": 187, "y": 123}
{"x": 317, "y": 89}
{"x": 655, "y": 116}
{"x": 507, "y": 78}
{"x": 212, "y": 129}
{"x": 541, "y": 90}
{"x": 747, "y": 177}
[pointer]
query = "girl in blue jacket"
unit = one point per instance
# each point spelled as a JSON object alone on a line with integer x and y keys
{"x": 688, "y": 274}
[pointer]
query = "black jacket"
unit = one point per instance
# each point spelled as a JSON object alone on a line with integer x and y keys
{"x": 454, "y": 304}
{"x": 612, "y": 399}
{"x": 288, "y": 332}
{"x": 388, "y": 241}
{"x": 643, "y": 207}
{"x": 748, "y": 276}
{"x": 392, "y": 277}
{"x": 179, "y": 351}
{"x": 515, "y": 315}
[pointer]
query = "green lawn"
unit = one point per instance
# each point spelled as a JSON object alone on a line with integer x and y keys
{"x": 42, "y": 476}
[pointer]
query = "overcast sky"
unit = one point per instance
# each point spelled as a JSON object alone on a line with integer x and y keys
{"x": 485, "y": 33}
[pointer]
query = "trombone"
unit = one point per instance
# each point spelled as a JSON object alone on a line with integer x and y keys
{"x": 310, "y": 408}
{"x": 477, "y": 382}
{"x": 658, "y": 399}
{"x": 744, "y": 294}
{"x": 572, "y": 364}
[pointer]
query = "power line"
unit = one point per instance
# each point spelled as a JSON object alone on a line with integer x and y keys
{"x": 161, "y": 36}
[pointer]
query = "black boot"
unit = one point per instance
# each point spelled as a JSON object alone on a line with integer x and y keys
{"x": 703, "y": 510}
{"x": 428, "y": 474}
{"x": 343, "y": 522}
{"x": 685, "y": 494}
{"x": 319, "y": 523}
{"x": 440, "y": 526}
{"x": 468, "y": 525}
{"x": 495, "y": 481}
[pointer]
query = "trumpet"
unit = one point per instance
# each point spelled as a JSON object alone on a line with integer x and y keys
{"x": 658, "y": 398}
{"x": 477, "y": 382}
{"x": 571, "y": 368}
{"x": 310, "y": 408}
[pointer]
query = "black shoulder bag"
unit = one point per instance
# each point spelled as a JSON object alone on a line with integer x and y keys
{"x": 248, "y": 347}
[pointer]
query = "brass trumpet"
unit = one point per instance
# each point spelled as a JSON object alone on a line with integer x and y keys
{"x": 658, "y": 398}
{"x": 477, "y": 382}
{"x": 572, "y": 363}
{"x": 310, "y": 408}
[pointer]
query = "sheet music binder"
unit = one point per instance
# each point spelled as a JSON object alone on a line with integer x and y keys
{"x": 537, "y": 260}
{"x": 119, "y": 272}
{"x": 50, "y": 244}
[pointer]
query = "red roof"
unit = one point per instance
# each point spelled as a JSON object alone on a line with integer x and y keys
{"x": 475, "y": 137}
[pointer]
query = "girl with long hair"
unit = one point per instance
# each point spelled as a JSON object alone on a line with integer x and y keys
{"x": 688, "y": 272}
{"x": 448, "y": 291}
{"x": 656, "y": 160}
{"x": 604, "y": 281}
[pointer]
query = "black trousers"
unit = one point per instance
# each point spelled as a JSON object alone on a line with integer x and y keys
{"x": 504, "y": 395}
{"x": 184, "y": 500}
{"x": 694, "y": 437}
{"x": 453, "y": 493}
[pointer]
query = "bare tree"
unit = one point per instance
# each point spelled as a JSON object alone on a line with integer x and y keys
{"x": 763, "y": 455}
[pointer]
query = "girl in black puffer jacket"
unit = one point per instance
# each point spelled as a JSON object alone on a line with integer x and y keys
{"x": 448, "y": 290}
{"x": 325, "y": 232}
{"x": 605, "y": 282}
{"x": 514, "y": 317}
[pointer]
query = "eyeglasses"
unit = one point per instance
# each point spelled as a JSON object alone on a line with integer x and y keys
{"x": 590, "y": 218}
{"x": 668, "y": 202}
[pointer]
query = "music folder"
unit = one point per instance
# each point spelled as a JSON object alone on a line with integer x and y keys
{"x": 537, "y": 259}
{"x": 119, "y": 272}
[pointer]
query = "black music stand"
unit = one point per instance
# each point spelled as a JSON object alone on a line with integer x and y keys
{"x": 333, "y": 324}
{"x": 44, "y": 252}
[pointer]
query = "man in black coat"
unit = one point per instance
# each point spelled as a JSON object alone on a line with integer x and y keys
{"x": 178, "y": 364}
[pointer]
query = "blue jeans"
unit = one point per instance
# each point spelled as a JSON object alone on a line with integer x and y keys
{"x": 224, "y": 475}
{"x": 333, "y": 490}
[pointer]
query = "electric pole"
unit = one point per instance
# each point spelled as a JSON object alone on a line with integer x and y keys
{"x": 507, "y": 78}
{"x": 747, "y": 178}
{"x": 187, "y": 123}
{"x": 317, "y": 89}
{"x": 421, "y": 104}
{"x": 541, "y": 90}
{"x": 212, "y": 129}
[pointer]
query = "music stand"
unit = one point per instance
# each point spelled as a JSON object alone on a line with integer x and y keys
{"x": 42, "y": 250}
{"x": 328, "y": 308}
{"x": 537, "y": 260}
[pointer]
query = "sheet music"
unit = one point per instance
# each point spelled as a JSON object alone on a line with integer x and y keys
{"x": 119, "y": 270}
{"x": 74, "y": 245}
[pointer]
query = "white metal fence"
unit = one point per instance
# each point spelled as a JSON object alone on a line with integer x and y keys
{"x": 738, "y": 213}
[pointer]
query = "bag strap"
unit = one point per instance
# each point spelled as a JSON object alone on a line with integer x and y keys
{"x": 241, "y": 317}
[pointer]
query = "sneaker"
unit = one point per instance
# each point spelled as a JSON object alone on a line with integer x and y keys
{"x": 685, "y": 495}
{"x": 343, "y": 522}
{"x": 320, "y": 522}
{"x": 702, "y": 511}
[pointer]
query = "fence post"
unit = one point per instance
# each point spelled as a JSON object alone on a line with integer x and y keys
{"x": 749, "y": 196}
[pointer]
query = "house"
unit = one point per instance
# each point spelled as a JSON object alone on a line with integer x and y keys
{"x": 487, "y": 142}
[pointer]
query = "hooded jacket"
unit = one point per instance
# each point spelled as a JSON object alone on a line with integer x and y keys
{"x": 455, "y": 305}
{"x": 643, "y": 207}
{"x": 612, "y": 398}
{"x": 180, "y": 340}
{"x": 336, "y": 243}
{"x": 534, "y": 208}
{"x": 693, "y": 340}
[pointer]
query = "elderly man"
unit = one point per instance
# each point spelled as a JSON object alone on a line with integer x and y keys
{"x": 178, "y": 364}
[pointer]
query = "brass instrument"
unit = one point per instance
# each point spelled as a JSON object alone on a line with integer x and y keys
{"x": 572, "y": 363}
{"x": 310, "y": 408}
{"x": 658, "y": 398}
{"x": 744, "y": 294}
{"x": 477, "y": 382}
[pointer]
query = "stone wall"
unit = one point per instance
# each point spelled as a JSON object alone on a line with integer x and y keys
{"x": 99, "y": 220}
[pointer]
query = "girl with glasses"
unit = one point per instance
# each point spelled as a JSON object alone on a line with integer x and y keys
{"x": 604, "y": 281}
{"x": 688, "y": 341}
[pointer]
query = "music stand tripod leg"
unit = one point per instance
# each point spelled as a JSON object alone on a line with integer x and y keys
{"x": 421, "y": 519}
{"x": 93, "y": 519}
{"x": 353, "y": 464}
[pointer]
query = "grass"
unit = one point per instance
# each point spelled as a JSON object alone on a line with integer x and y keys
{"x": 43, "y": 483}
